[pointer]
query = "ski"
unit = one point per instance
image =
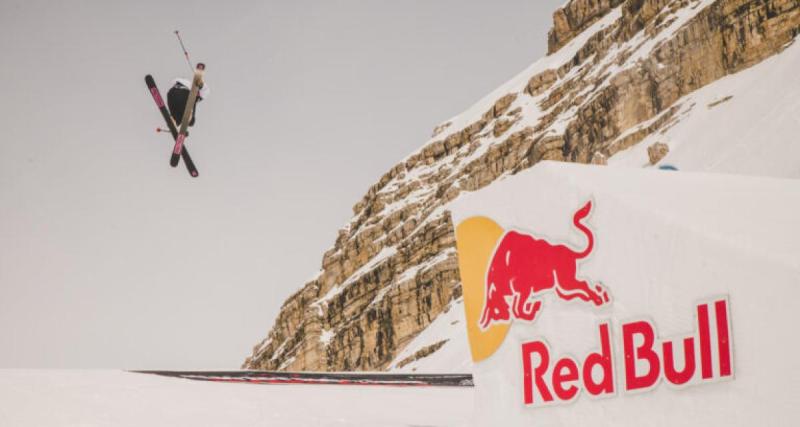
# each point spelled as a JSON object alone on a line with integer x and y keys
{"x": 197, "y": 81}
{"x": 187, "y": 159}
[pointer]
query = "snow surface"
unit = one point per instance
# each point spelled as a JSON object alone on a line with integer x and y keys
{"x": 756, "y": 131}
{"x": 43, "y": 398}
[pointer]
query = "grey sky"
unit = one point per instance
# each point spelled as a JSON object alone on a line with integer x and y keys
{"x": 109, "y": 258}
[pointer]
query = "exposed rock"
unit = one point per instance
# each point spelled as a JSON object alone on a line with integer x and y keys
{"x": 719, "y": 101}
{"x": 502, "y": 104}
{"x": 501, "y": 126}
{"x": 438, "y": 129}
{"x": 423, "y": 352}
{"x": 599, "y": 158}
{"x": 573, "y": 18}
{"x": 541, "y": 82}
{"x": 657, "y": 151}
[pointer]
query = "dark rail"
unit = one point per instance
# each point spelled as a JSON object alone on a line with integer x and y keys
{"x": 337, "y": 378}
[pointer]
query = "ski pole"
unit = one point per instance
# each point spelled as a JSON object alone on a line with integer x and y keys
{"x": 185, "y": 52}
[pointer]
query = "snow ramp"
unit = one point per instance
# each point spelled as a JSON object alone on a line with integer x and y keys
{"x": 612, "y": 296}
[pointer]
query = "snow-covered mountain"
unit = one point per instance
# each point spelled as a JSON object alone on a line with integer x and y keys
{"x": 704, "y": 85}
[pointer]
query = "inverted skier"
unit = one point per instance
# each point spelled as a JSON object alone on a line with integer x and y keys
{"x": 178, "y": 95}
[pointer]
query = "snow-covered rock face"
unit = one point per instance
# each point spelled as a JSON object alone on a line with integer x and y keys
{"x": 618, "y": 73}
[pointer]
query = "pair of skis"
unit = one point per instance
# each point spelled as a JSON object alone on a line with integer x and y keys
{"x": 179, "y": 135}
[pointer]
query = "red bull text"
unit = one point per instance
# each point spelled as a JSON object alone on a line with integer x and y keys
{"x": 706, "y": 355}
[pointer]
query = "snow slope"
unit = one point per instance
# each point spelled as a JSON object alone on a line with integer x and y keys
{"x": 113, "y": 398}
{"x": 745, "y": 123}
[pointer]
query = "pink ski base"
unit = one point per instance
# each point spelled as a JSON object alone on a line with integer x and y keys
{"x": 179, "y": 144}
{"x": 157, "y": 97}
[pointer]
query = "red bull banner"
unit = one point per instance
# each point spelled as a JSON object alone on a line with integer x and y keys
{"x": 591, "y": 291}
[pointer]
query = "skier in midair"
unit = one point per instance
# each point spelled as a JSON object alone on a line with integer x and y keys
{"x": 178, "y": 95}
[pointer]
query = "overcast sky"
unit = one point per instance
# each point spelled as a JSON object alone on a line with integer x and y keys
{"x": 109, "y": 258}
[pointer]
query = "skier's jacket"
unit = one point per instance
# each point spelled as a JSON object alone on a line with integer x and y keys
{"x": 178, "y": 95}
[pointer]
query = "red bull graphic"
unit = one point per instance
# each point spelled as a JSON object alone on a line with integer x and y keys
{"x": 705, "y": 355}
{"x": 523, "y": 267}
{"x": 506, "y": 273}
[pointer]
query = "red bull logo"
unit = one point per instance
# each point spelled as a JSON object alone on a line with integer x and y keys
{"x": 523, "y": 267}
{"x": 704, "y": 355}
{"x": 506, "y": 273}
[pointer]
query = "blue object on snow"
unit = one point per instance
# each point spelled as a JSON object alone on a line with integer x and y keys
{"x": 667, "y": 168}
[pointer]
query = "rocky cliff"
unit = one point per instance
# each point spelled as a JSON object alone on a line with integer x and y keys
{"x": 617, "y": 72}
